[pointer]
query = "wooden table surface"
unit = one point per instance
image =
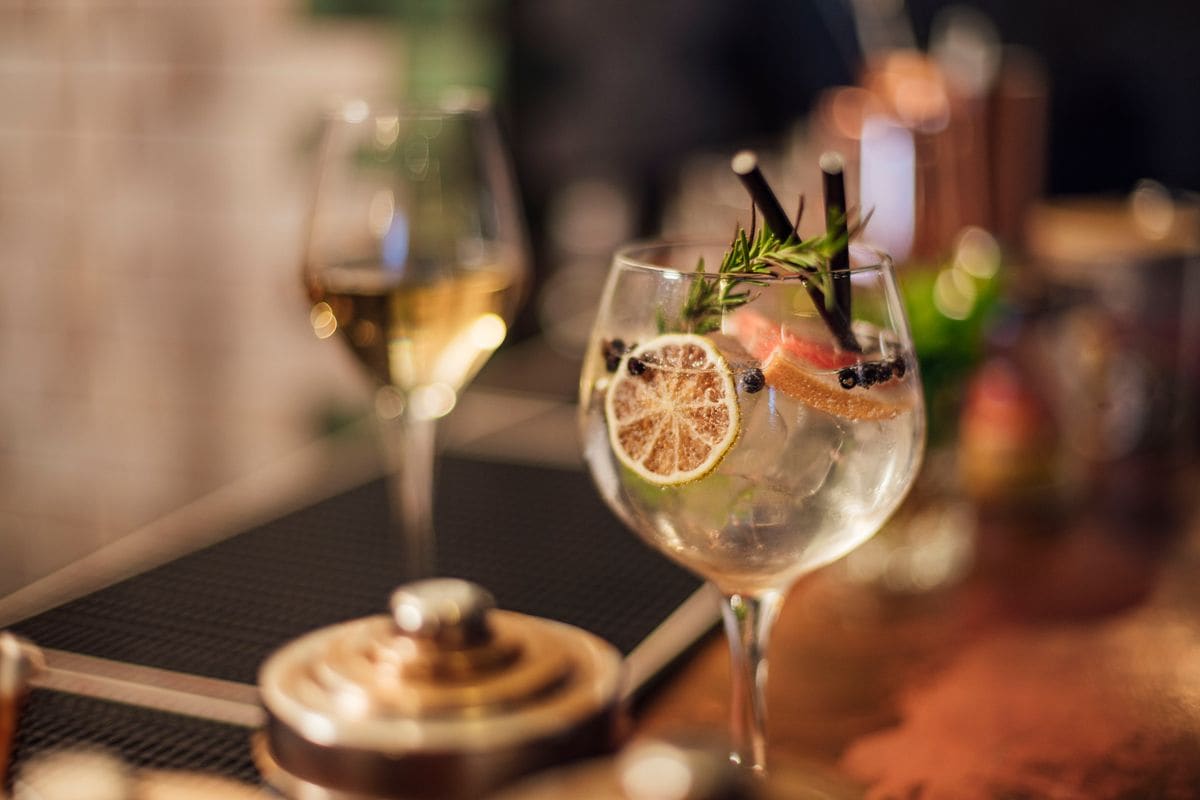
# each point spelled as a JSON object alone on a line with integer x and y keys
{"x": 1064, "y": 664}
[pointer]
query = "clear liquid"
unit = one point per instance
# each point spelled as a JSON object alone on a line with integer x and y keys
{"x": 414, "y": 334}
{"x": 798, "y": 489}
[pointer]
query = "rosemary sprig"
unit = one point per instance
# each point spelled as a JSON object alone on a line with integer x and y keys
{"x": 762, "y": 253}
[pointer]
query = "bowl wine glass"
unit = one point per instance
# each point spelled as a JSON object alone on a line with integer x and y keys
{"x": 729, "y": 427}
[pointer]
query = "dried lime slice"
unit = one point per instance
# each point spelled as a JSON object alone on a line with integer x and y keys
{"x": 674, "y": 415}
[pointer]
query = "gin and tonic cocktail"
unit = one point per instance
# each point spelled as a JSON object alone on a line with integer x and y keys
{"x": 735, "y": 428}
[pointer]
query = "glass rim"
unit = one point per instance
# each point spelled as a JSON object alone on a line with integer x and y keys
{"x": 453, "y": 101}
{"x": 627, "y": 256}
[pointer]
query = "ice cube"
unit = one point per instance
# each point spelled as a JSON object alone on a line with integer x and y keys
{"x": 759, "y": 508}
{"x": 763, "y": 437}
{"x": 813, "y": 446}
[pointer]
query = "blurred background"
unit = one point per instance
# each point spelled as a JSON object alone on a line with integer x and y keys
{"x": 1029, "y": 164}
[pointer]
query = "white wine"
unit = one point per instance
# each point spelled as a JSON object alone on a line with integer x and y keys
{"x": 413, "y": 334}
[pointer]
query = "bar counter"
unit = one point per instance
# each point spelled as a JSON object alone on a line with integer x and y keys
{"x": 1061, "y": 661}
{"x": 1065, "y": 665}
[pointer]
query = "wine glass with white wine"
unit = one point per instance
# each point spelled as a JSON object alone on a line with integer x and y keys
{"x": 416, "y": 260}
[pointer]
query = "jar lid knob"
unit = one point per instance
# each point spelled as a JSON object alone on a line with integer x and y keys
{"x": 449, "y": 613}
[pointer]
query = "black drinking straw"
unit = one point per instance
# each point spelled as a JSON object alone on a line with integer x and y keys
{"x": 834, "y": 183}
{"x": 745, "y": 166}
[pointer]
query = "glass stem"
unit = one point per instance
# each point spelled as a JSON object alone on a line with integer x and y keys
{"x": 748, "y": 621}
{"x": 409, "y": 451}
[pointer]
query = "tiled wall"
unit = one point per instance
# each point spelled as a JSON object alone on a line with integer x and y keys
{"x": 153, "y": 339}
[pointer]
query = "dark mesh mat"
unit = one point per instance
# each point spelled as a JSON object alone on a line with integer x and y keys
{"x": 538, "y": 537}
{"x": 144, "y": 738}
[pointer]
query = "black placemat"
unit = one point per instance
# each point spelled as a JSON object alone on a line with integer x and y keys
{"x": 54, "y": 721}
{"x": 538, "y": 537}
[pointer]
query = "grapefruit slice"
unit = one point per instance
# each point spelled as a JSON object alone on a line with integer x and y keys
{"x": 762, "y": 336}
{"x": 675, "y": 419}
{"x": 787, "y": 373}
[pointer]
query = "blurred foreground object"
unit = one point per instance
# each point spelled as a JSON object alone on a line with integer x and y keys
{"x": 82, "y": 774}
{"x": 91, "y": 775}
{"x": 678, "y": 768}
{"x": 20, "y": 661}
{"x": 446, "y": 698}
